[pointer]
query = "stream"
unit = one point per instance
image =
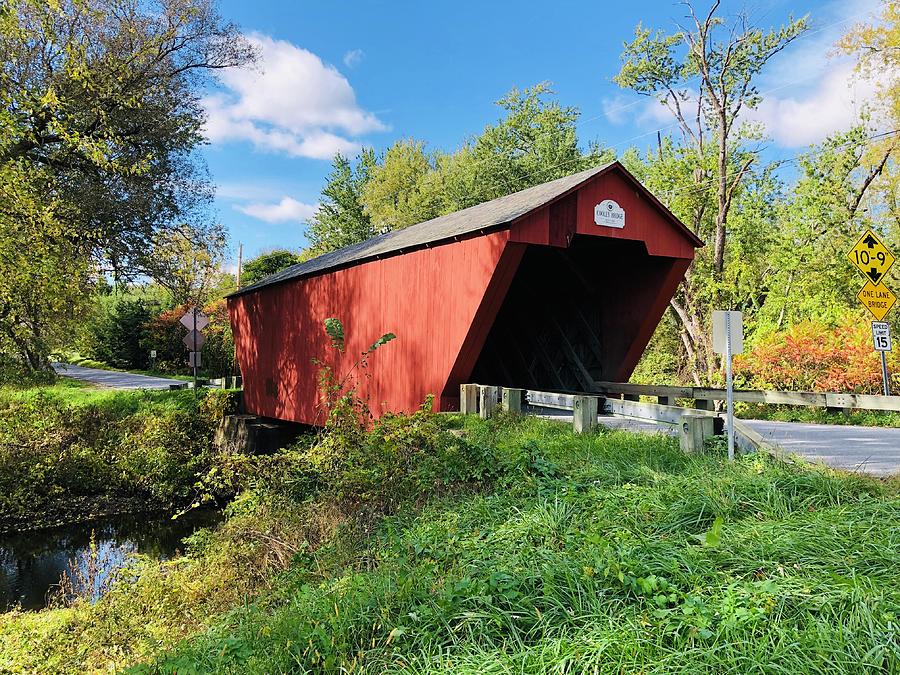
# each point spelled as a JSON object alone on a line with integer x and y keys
{"x": 31, "y": 563}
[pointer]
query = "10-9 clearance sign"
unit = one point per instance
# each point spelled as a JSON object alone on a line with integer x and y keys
{"x": 873, "y": 260}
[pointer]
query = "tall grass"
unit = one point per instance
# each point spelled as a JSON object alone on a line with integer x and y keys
{"x": 596, "y": 553}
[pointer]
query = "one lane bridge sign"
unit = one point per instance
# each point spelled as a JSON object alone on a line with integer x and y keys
{"x": 871, "y": 257}
{"x": 877, "y": 299}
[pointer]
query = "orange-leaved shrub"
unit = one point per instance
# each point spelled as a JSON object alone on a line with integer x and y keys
{"x": 165, "y": 334}
{"x": 815, "y": 356}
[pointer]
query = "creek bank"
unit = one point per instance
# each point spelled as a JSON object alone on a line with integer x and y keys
{"x": 90, "y": 552}
{"x": 77, "y": 509}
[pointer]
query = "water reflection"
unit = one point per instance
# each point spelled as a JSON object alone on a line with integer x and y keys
{"x": 31, "y": 563}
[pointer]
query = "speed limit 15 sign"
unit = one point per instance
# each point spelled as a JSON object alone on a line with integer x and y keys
{"x": 881, "y": 336}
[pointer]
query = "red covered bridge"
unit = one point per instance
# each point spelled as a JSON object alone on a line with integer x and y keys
{"x": 555, "y": 287}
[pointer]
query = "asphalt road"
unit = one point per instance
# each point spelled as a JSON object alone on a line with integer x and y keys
{"x": 871, "y": 450}
{"x": 113, "y": 379}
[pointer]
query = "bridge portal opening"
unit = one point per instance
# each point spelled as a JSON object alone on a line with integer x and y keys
{"x": 574, "y": 316}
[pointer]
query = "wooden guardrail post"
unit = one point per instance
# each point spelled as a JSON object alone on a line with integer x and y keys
{"x": 511, "y": 399}
{"x": 665, "y": 400}
{"x": 487, "y": 401}
{"x": 704, "y": 404}
{"x": 694, "y": 430}
{"x": 468, "y": 399}
{"x": 585, "y": 413}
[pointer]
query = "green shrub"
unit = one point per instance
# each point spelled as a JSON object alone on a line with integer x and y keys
{"x": 145, "y": 446}
{"x": 116, "y": 333}
{"x": 400, "y": 458}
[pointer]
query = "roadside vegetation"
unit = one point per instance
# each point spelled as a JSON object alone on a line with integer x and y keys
{"x": 437, "y": 543}
{"x": 783, "y": 413}
{"x": 70, "y": 452}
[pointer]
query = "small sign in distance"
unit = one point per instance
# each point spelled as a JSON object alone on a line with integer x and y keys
{"x": 192, "y": 341}
{"x": 202, "y": 321}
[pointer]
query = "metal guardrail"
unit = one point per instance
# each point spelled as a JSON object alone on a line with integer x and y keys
{"x": 230, "y": 382}
{"x": 485, "y": 400}
{"x": 666, "y": 395}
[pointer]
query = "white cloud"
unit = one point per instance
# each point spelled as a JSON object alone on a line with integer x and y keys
{"x": 290, "y": 103}
{"x": 353, "y": 58}
{"x": 288, "y": 210}
{"x": 833, "y": 105}
{"x": 808, "y": 92}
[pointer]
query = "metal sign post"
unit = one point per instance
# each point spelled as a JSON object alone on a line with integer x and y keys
{"x": 194, "y": 349}
{"x": 195, "y": 321}
{"x": 728, "y": 339}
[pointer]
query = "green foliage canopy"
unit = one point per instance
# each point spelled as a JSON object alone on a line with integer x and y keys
{"x": 268, "y": 263}
{"x": 99, "y": 116}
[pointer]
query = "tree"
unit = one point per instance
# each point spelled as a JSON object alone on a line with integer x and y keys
{"x": 725, "y": 60}
{"x": 99, "y": 115}
{"x": 187, "y": 263}
{"x": 341, "y": 219}
{"x": 395, "y": 195}
{"x": 822, "y": 217}
{"x": 43, "y": 276}
{"x": 118, "y": 334}
{"x": 268, "y": 263}
{"x": 535, "y": 141}
{"x": 877, "y": 48}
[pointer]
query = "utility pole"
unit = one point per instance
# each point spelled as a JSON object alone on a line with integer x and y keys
{"x": 240, "y": 257}
{"x": 240, "y": 261}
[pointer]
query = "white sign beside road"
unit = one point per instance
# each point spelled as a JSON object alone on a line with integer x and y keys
{"x": 609, "y": 214}
{"x": 721, "y": 322}
{"x": 881, "y": 336}
{"x": 728, "y": 340}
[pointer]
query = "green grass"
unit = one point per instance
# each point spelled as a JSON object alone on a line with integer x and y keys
{"x": 607, "y": 553}
{"x": 75, "y": 393}
{"x": 512, "y": 546}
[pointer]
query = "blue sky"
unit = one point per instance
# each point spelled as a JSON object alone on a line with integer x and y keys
{"x": 343, "y": 74}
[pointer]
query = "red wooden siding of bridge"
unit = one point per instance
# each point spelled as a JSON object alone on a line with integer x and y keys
{"x": 442, "y": 300}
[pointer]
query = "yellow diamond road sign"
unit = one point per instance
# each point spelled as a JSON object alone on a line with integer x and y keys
{"x": 877, "y": 299}
{"x": 871, "y": 257}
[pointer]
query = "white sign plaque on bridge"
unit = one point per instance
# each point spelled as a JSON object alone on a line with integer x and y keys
{"x": 608, "y": 213}
{"x": 881, "y": 336}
